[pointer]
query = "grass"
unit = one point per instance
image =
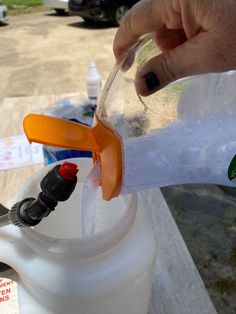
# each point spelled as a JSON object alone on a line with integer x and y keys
{"x": 17, "y": 7}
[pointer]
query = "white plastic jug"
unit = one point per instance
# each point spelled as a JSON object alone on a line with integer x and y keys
{"x": 60, "y": 272}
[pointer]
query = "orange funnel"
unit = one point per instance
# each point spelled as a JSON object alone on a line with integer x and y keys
{"x": 104, "y": 143}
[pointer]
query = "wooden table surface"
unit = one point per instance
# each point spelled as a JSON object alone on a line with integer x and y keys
{"x": 177, "y": 287}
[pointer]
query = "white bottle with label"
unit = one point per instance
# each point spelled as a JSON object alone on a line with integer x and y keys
{"x": 93, "y": 81}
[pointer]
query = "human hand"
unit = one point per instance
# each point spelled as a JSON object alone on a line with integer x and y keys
{"x": 195, "y": 37}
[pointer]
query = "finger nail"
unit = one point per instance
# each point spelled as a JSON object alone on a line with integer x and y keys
{"x": 152, "y": 81}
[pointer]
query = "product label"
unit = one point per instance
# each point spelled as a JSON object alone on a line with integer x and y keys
{"x": 94, "y": 90}
{"x": 232, "y": 170}
{"x": 8, "y": 296}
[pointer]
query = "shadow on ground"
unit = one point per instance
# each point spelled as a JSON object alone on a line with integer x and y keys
{"x": 62, "y": 14}
{"x": 91, "y": 25}
{"x": 3, "y": 24}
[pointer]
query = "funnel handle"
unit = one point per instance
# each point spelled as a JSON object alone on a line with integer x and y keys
{"x": 59, "y": 132}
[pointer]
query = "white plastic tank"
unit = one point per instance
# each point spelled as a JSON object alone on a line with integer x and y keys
{"x": 60, "y": 272}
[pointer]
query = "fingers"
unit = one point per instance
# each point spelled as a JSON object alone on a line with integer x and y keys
{"x": 143, "y": 18}
{"x": 196, "y": 56}
{"x": 196, "y": 37}
{"x": 167, "y": 39}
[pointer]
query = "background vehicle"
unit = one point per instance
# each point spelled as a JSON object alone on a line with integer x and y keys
{"x": 60, "y": 6}
{"x": 3, "y": 13}
{"x": 101, "y": 10}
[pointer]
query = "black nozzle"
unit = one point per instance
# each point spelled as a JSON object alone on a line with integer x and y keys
{"x": 57, "y": 185}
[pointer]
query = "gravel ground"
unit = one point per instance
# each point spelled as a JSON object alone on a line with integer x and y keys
{"x": 206, "y": 217}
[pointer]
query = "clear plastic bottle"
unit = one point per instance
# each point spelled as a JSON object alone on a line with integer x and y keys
{"x": 94, "y": 83}
{"x": 183, "y": 134}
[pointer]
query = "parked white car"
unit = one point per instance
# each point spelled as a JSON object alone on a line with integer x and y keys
{"x": 3, "y": 13}
{"x": 60, "y": 6}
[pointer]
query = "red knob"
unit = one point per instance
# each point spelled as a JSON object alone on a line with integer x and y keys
{"x": 68, "y": 170}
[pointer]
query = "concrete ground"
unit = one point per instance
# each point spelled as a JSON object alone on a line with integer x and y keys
{"x": 43, "y": 54}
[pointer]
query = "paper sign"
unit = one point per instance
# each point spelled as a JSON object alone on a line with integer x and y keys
{"x": 16, "y": 151}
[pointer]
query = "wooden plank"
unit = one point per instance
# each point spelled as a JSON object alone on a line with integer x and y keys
{"x": 178, "y": 287}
